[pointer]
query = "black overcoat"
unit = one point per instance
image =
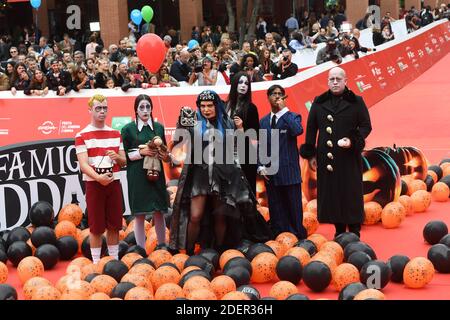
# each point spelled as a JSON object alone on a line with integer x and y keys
{"x": 339, "y": 170}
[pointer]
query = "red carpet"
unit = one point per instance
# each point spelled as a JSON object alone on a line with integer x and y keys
{"x": 418, "y": 115}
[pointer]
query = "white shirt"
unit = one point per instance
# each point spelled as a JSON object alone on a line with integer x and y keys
{"x": 134, "y": 154}
{"x": 141, "y": 124}
{"x": 279, "y": 114}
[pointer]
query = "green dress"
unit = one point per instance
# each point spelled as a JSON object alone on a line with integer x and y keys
{"x": 145, "y": 197}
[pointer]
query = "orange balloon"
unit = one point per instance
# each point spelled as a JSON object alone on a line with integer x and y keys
{"x": 159, "y": 257}
{"x": 277, "y": 247}
{"x": 264, "y": 211}
{"x": 264, "y": 265}
{"x": 433, "y": 175}
{"x": 300, "y": 253}
{"x": 165, "y": 274}
{"x": 99, "y": 296}
{"x": 415, "y": 185}
{"x": 235, "y": 295}
{"x": 372, "y": 212}
{"x": 104, "y": 283}
{"x": 343, "y": 275}
{"x": 282, "y": 289}
{"x": 335, "y": 249}
{"x": 29, "y": 267}
{"x": 310, "y": 222}
{"x": 288, "y": 239}
{"x": 418, "y": 272}
{"x": 71, "y": 212}
{"x": 3, "y": 273}
{"x": 202, "y": 294}
{"x": 311, "y": 206}
{"x": 179, "y": 260}
{"x": 139, "y": 293}
{"x": 370, "y": 294}
{"x": 131, "y": 258}
{"x": 142, "y": 269}
{"x": 139, "y": 281}
{"x": 32, "y": 284}
{"x": 440, "y": 192}
{"x": 317, "y": 239}
{"x": 421, "y": 200}
{"x": 66, "y": 228}
{"x": 195, "y": 283}
{"x": 46, "y": 293}
{"x": 169, "y": 291}
{"x": 222, "y": 285}
{"x": 392, "y": 215}
{"x": 407, "y": 203}
{"x": 228, "y": 255}
{"x": 80, "y": 287}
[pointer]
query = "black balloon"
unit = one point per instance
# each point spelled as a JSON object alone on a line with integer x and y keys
{"x": 358, "y": 246}
{"x": 130, "y": 238}
{"x": 68, "y": 247}
{"x": 3, "y": 256}
{"x": 240, "y": 275}
{"x": 316, "y": 276}
{"x": 116, "y": 269}
{"x": 346, "y": 238}
{"x": 5, "y": 234}
{"x": 429, "y": 182}
{"x": 137, "y": 249}
{"x": 297, "y": 296}
{"x": 308, "y": 245}
{"x": 290, "y": 269}
{"x": 17, "y": 234}
{"x": 193, "y": 273}
{"x": 375, "y": 274}
{"x": 144, "y": 260}
{"x": 250, "y": 291}
{"x": 439, "y": 255}
{"x": 43, "y": 235}
{"x": 123, "y": 248}
{"x": 436, "y": 169}
{"x": 244, "y": 245}
{"x": 17, "y": 251}
{"x": 238, "y": 262}
{"x": 359, "y": 259}
{"x": 268, "y": 298}
{"x": 86, "y": 248}
{"x": 446, "y": 180}
{"x": 256, "y": 249}
{"x": 48, "y": 254}
{"x": 41, "y": 214}
{"x": 434, "y": 231}
{"x": 121, "y": 289}
{"x": 91, "y": 277}
{"x": 212, "y": 255}
{"x": 170, "y": 264}
{"x": 404, "y": 188}
{"x": 444, "y": 161}
{"x": 351, "y": 290}
{"x": 397, "y": 264}
{"x": 200, "y": 262}
{"x": 7, "y": 292}
{"x": 445, "y": 240}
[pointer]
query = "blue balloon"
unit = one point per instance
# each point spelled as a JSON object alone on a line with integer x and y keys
{"x": 192, "y": 44}
{"x": 35, "y": 3}
{"x": 136, "y": 16}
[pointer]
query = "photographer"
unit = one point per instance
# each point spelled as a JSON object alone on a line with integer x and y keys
{"x": 204, "y": 73}
{"x": 59, "y": 80}
{"x": 81, "y": 80}
{"x": 119, "y": 74}
{"x": 329, "y": 53}
{"x": 180, "y": 69}
{"x": 285, "y": 68}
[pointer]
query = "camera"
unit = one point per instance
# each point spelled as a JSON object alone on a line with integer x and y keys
{"x": 139, "y": 67}
{"x": 285, "y": 59}
{"x": 198, "y": 68}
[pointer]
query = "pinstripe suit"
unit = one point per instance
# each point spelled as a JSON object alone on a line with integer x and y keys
{"x": 284, "y": 188}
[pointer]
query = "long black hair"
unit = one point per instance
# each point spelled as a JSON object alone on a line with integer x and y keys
{"x": 232, "y": 101}
{"x": 138, "y": 99}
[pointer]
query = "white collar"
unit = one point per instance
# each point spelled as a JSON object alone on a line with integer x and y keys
{"x": 141, "y": 124}
{"x": 280, "y": 113}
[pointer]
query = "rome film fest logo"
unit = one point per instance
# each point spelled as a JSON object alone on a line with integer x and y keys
{"x": 73, "y": 21}
{"x": 47, "y": 127}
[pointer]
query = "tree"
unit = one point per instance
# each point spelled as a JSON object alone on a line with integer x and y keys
{"x": 231, "y": 16}
{"x": 243, "y": 24}
{"x": 254, "y": 17}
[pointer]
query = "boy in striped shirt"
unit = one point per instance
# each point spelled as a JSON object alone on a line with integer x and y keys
{"x": 100, "y": 154}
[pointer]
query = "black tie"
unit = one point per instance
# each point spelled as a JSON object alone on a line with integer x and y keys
{"x": 273, "y": 124}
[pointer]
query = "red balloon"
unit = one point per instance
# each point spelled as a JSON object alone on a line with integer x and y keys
{"x": 151, "y": 50}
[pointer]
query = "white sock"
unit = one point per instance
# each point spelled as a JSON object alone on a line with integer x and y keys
{"x": 139, "y": 230}
{"x": 95, "y": 253}
{"x": 113, "y": 251}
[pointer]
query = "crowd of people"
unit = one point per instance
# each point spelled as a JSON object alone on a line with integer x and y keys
{"x": 39, "y": 66}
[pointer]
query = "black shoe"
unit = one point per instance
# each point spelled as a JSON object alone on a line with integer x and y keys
{"x": 162, "y": 246}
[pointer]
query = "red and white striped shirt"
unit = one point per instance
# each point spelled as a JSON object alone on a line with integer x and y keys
{"x": 96, "y": 142}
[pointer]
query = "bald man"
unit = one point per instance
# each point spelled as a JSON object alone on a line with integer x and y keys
{"x": 180, "y": 69}
{"x": 343, "y": 123}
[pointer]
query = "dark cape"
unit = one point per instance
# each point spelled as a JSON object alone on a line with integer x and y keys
{"x": 243, "y": 220}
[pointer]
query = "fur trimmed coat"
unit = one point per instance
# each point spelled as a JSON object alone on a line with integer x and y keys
{"x": 339, "y": 170}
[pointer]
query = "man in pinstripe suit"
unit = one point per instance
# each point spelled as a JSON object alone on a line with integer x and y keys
{"x": 284, "y": 186}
